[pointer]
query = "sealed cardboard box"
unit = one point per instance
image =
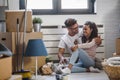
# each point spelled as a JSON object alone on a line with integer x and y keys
{"x": 18, "y": 18}
{"x": 118, "y": 46}
{"x": 5, "y": 68}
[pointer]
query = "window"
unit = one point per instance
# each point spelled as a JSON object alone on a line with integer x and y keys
{"x": 74, "y": 4}
{"x": 59, "y": 6}
{"x": 37, "y": 5}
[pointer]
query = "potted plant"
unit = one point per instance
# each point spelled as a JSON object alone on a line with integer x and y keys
{"x": 37, "y": 24}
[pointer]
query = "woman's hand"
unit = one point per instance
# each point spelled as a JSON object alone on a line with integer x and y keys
{"x": 98, "y": 40}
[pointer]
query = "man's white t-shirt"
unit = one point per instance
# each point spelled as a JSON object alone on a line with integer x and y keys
{"x": 67, "y": 41}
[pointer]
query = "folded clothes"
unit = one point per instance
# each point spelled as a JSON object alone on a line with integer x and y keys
{"x": 114, "y": 61}
{"x": 4, "y": 50}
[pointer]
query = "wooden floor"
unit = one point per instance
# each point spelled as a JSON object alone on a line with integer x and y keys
{"x": 78, "y": 76}
{"x": 16, "y": 77}
{"x": 89, "y": 76}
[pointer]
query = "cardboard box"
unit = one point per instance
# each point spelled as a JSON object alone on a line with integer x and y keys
{"x": 5, "y": 68}
{"x": 11, "y": 17}
{"x": 29, "y": 63}
{"x": 6, "y": 38}
{"x": 118, "y": 46}
{"x": 9, "y": 39}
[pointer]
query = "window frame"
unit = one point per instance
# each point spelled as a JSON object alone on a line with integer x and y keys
{"x": 75, "y": 11}
{"x": 46, "y": 11}
{"x": 57, "y": 9}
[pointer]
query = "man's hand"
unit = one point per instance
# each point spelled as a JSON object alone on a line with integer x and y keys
{"x": 73, "y": 48}
{"x": 60, "y": 56}
{"x": 98, "y": 40}
{"x": 63, "y": 60}
{"x": 75, "y": 42}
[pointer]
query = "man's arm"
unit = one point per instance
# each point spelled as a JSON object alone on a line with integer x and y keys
{"x": 60, "y": 55}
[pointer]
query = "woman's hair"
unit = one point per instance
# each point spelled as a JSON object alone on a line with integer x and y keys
{"x": 94, "y": 32}
{"x": 69, "y": 22}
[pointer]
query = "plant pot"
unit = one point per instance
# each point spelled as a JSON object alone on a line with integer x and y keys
{"x": 37, "y": 27}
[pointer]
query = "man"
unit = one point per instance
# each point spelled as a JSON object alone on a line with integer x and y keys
{"x": 69, "y": 40}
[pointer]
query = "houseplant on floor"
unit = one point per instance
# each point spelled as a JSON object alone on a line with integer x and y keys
{"x": 37, "y": 24}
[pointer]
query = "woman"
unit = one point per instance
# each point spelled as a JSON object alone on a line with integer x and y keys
{"x": 84, "y": 52}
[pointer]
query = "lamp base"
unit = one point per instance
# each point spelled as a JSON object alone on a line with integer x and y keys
{"x": 26, "y": 75}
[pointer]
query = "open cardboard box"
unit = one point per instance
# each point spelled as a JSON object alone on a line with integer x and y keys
{"x": 16, "y": 18}
{"x": 5, "y": 68}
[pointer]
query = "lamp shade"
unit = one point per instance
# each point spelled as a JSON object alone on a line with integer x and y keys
{"x": 36, "y": 47}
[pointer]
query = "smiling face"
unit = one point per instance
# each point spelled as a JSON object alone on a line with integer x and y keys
{"x": 74, "y": 29}
{"x": 87, "y": 31}
{"x": 72, "y": 26}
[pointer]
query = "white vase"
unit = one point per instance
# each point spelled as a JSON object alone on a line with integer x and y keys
{"x": 37, "y": 27}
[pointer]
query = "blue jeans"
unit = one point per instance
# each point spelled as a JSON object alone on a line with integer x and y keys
{"x": 85, "y": 61}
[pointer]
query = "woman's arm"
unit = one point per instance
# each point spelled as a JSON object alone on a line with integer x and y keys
{"x": 83, "y": 45}
{"x": 96, "y": 41}
{"x": 86, "y": 45}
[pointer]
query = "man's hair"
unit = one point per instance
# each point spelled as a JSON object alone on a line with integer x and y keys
{"x": 69, "y": 22}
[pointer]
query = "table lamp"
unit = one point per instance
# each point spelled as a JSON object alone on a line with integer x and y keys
{"x": 36, "y": 48}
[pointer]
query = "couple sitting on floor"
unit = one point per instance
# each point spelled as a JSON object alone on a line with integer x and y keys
{"x": 82, "y": 45}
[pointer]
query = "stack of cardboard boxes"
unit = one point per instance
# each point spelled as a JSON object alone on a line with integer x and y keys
{"x": 9, "y": 38}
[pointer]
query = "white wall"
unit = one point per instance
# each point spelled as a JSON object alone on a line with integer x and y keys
{"x": 13, "y": 4}
{"x": 108, "y": 14}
